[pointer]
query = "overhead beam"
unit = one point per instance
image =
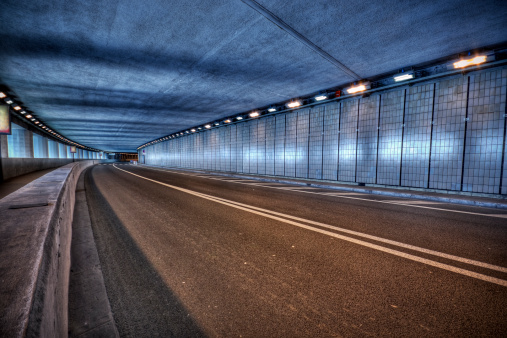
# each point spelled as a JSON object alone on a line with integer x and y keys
{"x": 298, "y": 36}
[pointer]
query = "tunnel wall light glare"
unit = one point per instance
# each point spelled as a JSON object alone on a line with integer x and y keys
{"x": 207, "y": 126}
{"x": 356, "y": 89}
{"x": 9, "y": 102}
{"x": 271, "y": 110}
{"x": 17, "y": 108}
{"x": 28, "y": 116}
{"x": 403, "y": 77}
{"x": 254, "y": 114}
{"x": 227, "y": 121}
{"x": 2, "y": 95}
{"x": 470, "y": 62}
{"x": 239, "y": 118}
{"x": 320, "y": 97}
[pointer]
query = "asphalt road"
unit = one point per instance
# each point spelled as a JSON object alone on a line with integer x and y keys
{"x": 185, "y": 254}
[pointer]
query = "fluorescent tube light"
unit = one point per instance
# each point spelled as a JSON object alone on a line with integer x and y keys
{"x": 2, "y": 95}
{"x": 470, "y": 62}
{"x": 403, "y": 77}
{"x": 271, "y": 110}
{"x": 356, "y": 89}
{"x": 254, "y": 114}
{"x": 320, "y": 97}
{"x": 294, "y": 104}
{"x": 239, "y": 118}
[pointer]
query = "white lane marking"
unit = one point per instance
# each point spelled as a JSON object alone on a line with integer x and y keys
{"x": 413, "y": 202}
{"x": 348, "y": 195}
{"x": 271, "y": 214}
{"x": 298, "y": 188}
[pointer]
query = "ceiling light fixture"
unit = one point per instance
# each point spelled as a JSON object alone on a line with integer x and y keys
{"x": 2, "y": 95}
{"x": 470, "y": 62}
{"x": 239, "y": 118}
{"x": 22, "y": 112}
{"x": 294, "y": 104}
{"x": 9, "y": 101}
{"x": 227, "y": 121}
{"x": 403, "y": 76}
{"x": 28, "y": 116}
{"x": 271, "y": 109}
{"x": 320, "y": 97}
{"x": 207, "y": 126}
{"x": 17, "y": 108}
{"x": 254, "y": 114}
{"x": 356, "y": 89}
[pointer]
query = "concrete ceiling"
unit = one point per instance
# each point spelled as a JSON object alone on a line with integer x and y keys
{"x": 113, "y": 75}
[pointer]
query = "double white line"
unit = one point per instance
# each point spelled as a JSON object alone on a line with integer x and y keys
{"x": 296, "y": 221}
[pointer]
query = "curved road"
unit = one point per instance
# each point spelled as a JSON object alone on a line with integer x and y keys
{"x": 187, "y": 254}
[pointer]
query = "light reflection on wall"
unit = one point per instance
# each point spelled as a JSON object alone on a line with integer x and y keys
{"x": 325, "y": 141}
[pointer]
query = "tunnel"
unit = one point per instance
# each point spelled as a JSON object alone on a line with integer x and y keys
{"x": 253, "y": 168}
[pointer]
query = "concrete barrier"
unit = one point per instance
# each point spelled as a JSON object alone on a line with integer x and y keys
{"x": 35, "y": 238}
{"x": 12, "y": 167}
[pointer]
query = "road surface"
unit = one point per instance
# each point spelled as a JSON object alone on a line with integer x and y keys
{"x": 189, "y": 254}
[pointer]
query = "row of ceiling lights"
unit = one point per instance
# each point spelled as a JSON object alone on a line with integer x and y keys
{"x": 295, "y": 103}
{"x": 17, "y": 107}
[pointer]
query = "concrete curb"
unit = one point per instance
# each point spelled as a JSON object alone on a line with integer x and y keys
{"x": 35, "y": 238}
{"x": 465, "y": 200}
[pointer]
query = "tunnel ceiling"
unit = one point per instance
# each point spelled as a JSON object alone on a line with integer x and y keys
{"x": 115, "y": 74}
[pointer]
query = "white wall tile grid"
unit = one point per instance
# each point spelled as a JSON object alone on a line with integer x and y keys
{"x": 448, "y": 134}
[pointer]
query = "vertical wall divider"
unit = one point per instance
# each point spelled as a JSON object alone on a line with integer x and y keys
{"x": 296, "y": 152}
{"x": 357, "y": 137}
{"x": 465, "y": 135}
{"x": 322, "y": 138}
{"x": 266, "y": 148}
{"x": 431, "y": 132}
{"x": 378, "y": 135}
{"x": 308, "y": 147}
{"x": 274, "y": 147}
{"x": 284, "y": 140}
{"x": 338, "y": 133}
{"x": 503, "y": 146}
{"x": 403, "y": 132}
